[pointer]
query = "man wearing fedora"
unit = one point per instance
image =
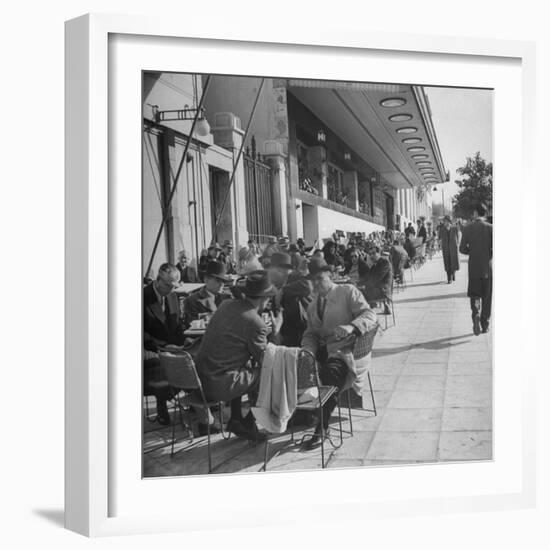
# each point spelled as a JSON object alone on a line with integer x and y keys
{"x": 231, "y": 350}
{"x": 210, "y": 296}
{"x": 213, "y": 253}
{"x": 336, "y": 314}
{"x": 477, "y": 243}
{"x": 226, "y": 257}
{"x": 448, "y": 234}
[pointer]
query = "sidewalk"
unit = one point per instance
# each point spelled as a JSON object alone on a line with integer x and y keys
{"x": 432, "y": 382}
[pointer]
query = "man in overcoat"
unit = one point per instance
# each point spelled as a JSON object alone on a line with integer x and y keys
{"x": 477, "y": 243}
{"x": 229, "y": 358}
{"x": 162, "y": 326}
{"x": 449, "y": 237}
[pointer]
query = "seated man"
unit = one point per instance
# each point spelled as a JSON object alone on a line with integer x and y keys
{"x": 161, "y": 326}
{"x": 209, "y": 297}
{"x": 226, "y": 257}
{"x": 231, "y": 350}
{"x": 409, "y": 247}
{"x": 213, "y": 253}
{"x": 377, "y": 283}
{"x": 187, "y": 273}
{"x": 398, "y": 258}
{"x": 356, "y": 267}
{"x": 336, "y": 313}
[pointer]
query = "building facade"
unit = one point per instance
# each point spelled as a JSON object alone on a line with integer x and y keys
{"x": 320, "y": 158}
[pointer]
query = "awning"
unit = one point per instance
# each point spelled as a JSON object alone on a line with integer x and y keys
{"x": 398, "y": 141}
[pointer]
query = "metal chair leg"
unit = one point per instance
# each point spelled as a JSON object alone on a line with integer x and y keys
{"x": 209, "y": 450}
{"x": 371, "y": 393}
{"x": 322, "y": 441}
{"x": 340, "y": 423}
{"x": 266, "y": 453}
{"x": 349, "y": 410}
{"x": 174, "y": 427}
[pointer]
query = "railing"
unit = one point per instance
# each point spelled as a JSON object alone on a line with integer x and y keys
{"x": 258, "y": 191}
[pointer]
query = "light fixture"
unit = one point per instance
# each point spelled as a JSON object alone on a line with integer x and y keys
{"x": 407, "y": 130}
{"x": 415, "y": 149}
{"x": 428, "y": 175}
{"x": 393, "y": 102}
{"x": 321, "y": 136}
{"x": 187, "y": 113}
{"x": 412, "y": 140}
{"x": 347, "y": 156}
{"x": 419, "y": 156}
{"x": 423, "y": 163}
{"x": 403, "y": 117}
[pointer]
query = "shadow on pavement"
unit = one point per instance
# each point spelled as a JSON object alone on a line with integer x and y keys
{"x": 430, "y": 298}
{"x": 436, "y": 283}
{"x": 439, "y": 344}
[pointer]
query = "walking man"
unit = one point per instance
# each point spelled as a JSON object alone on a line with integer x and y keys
{"x": 477, "y": 243}
{"x": 449, "y": 246}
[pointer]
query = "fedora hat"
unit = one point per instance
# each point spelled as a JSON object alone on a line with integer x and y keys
{"x": 228, "y": 243}
{"x": 316, "y": 266}
{"x": 257, "y": 285}
{"x": 293, "y": 248}
{"x": 447, "y": 218}
{"x": 215, "y": 245}
{"x": 218, "y": 270}
{"x": 281, "y": 259}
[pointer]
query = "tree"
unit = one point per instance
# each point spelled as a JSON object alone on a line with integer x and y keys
{"x": 475, "y": 186}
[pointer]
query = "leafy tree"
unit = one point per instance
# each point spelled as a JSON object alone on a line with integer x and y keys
{"x": 475, "y": 186}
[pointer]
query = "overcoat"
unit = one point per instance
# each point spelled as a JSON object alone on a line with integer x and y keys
{"x": 477, "y": 242}
{"x": 449, "y": 247}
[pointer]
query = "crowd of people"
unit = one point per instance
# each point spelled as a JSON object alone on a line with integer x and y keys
{"x": 317, "y": 298}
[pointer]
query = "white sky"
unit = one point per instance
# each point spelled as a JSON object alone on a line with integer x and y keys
{"x": 463, "y": 121}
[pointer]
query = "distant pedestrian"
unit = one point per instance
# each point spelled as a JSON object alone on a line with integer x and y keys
{"x": 477, "y": 242}
{"x": 410, "y": 230}
{"x": 449, "y": 245}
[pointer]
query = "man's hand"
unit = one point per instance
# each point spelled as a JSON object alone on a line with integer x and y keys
{"x": 276, "y": 321}
{"x": 343, "y": 331}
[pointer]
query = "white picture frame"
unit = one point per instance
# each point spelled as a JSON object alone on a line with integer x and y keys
{"x": 99, "y": 501}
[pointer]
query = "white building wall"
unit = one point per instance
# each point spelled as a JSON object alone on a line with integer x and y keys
{"x": 329, "y": 221}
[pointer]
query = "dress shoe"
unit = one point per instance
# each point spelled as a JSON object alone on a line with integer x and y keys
{"x": 251, "y": 433}
{"x": 485, "y": 329}
{"x": 477, "y": 326}
{"x": 315, "y": 440}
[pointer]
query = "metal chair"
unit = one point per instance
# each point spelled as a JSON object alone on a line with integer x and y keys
{"x": 307, "y": 375}
{"x": 182, "y": 376}
{"x": 363, "y": 346}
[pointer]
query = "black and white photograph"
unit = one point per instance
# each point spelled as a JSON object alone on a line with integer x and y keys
{"x": 317, "y": 274}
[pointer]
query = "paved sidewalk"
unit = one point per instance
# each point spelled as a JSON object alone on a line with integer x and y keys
{"x": 432, "y": 382}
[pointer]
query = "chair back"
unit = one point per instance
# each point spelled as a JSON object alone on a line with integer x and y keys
{"x": 363, "y": 344}
{"x": 307, "y": 375}
{"x": 180, "y": 369}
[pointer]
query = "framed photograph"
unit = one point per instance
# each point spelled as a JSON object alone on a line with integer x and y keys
{"x": 280, "y": 275}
